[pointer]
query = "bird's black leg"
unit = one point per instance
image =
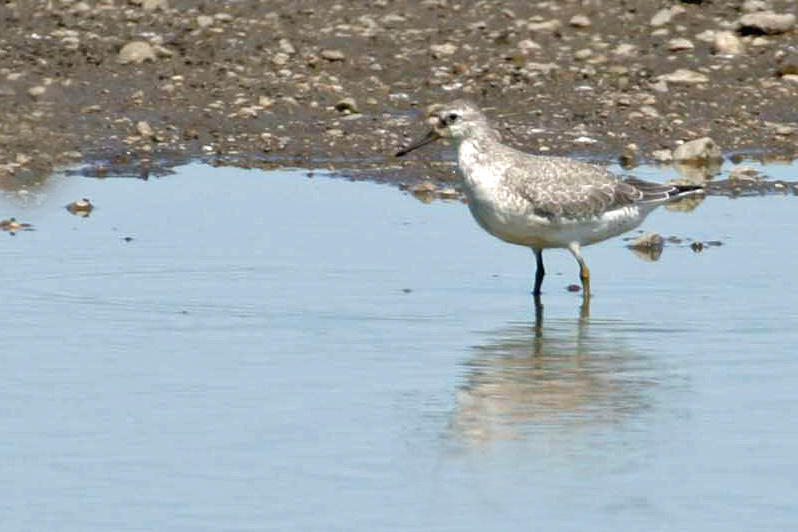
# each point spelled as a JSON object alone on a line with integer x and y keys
{"x": 540, "y": 272}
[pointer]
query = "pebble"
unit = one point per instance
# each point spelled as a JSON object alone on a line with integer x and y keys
{"x": 752, "y": 6}
{"x": 441, "y": 50}
{"x": 649, "y": 111}
{"x": 150, "y": 5}
{"x": 426, "y": 187}
{"x": 662, "y": 156}
{"x": 579, "y": 21}
{"x": 37, "y": 91}
{"x": 136, "y": 52}
{"x": 81, "y": 207}
{"x": 280, "y": 59}
{"x": 144, "y": 129}
{"x": 347, "y": 106}
{"x": 680, "y": 44}
{"x": 698, "y": 150}
{"x": 765, "y": 22}
{"x": 648, "y": 241}
{"x": 665, "y": 15}
{"x": 583, "y": 54}
{"x": 12, "y": 225}
{"x": 706, "y": 36}
{"x": 448, "y": 193}
{"x": 684, "y": 76}
{"x": 287, "y": 47}
{"x": 528, "y": 45}
{"x": 549, "y": 26}
{"x": 628, "y": 158}
{"x": 573, "y": 288}
{"x": 332, "y": 55}
{"x": 743, "y": 172}
{"x": 726, "y": 42}
{"x": 203, "y": 21}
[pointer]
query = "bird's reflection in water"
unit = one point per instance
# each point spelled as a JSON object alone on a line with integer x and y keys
{"x": 550, "y": 376}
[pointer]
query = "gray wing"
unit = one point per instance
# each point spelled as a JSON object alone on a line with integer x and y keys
{"x": 557, "y": 187}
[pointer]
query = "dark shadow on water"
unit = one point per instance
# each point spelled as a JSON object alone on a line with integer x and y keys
{"x": 552, "y": 378}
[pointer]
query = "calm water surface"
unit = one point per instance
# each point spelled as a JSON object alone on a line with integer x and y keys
{"x": 272, "y": 352}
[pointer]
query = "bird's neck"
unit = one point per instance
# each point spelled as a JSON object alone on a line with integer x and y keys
{"x": 476, "y": 149}
{"x": 474, "y": 157}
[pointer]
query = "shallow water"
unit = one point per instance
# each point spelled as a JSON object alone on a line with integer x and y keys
{"x": 272, "y": 352}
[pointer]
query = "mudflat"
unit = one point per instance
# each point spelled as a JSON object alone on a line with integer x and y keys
{"x": 138, "y": 86}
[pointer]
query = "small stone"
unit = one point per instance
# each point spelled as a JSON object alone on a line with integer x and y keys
{"x": 648, "y": 246}
{"x": 728, "y": 43}
{"x": 441, "y": 50}
{"x": 625, "y": 50}
{"x": 162, "y": 51}
{"x": 203, "y": 21}
{"x": 82, "y": 207}
{"x": 528, "y": 46}
{"x": 697, "y": 247}
{"x": 144, "y": 129}
{"x": 287, "y": 47}
{"x": 573, "y": 288}
{"x": 684, "y": 76}
{"x": 765, "y": 23}
{"x": 665, "y": 15}
{"x": 706, "y": 36}
{"x": 37, "y": 91}
{"x": 579, "y": 21}
{"x": 679, "y": 45}
{"x": 785, "y": 130}
{"x": 448, "y": 193}
{"x": 549, "y": 26}
{"x": 136, "y": 52}
{"x": 627, "y": 160}
{"x": 12, "y": 225}
{"x": 752, "y": 6}
{"x": 649, "y": 111}
{"x": 648, "y": 241}
{"x": 332, "y": 55}
{"x": 280, "y": 59}
{"x": 662, "y": 156}
{"x": 426, "y": 187}
{"x": 583, "y": 54}
{"x": 545, "y": 68}
{"x": 152, "y": 5}
{"x": 698, "y": 150}
{"x": 347, "y": 106}
{"x": 745, "y": 173}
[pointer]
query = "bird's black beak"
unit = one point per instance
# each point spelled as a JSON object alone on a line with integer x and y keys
{"x": 432, "y": 136}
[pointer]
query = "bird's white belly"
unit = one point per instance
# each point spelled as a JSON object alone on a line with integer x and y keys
{"x": 518, "y": 225}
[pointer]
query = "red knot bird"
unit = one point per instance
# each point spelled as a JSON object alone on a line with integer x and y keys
{"x": 538, "y": 201}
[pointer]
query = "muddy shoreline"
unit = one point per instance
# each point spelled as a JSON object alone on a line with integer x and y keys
{"x": 135, "y": 87}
